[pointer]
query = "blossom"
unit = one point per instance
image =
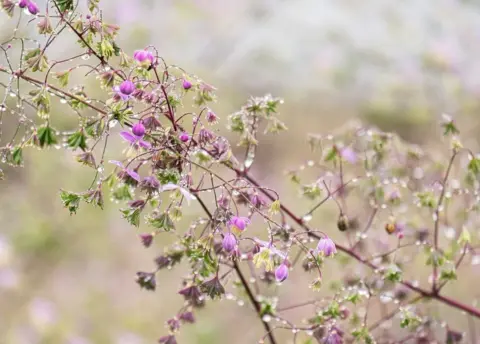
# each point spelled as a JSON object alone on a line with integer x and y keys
{"x": 348, "y": 154}
{"x": 134, "y": 139}
{"x": 281, "y": 273}
{"x": 229, "y": 242}
{"x": 205, "y": 136}
{"x": 326, "y": 247}
{"x": 168, "y": 340}
{"x": 211, "y": 117}
{"x": 186, "y": 84}
{"x": 146, "y": 238}
{"x": 184, "y": 137}
{"x": 335, "y": 336}
{"x": 32, "y": 7}
{"x": 239, "y": 223}
{"x": 150, "y": 184}
{"x": 134, "y": 175}
{"x": 265, "y": 254}
{"x": 143, "y": 57}
{"x": 125, "y": 90}
{"x": 187, "y": 317}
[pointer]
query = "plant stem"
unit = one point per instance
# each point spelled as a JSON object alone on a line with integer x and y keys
{"x": 423, "y": 292}
{"x": 244, "y": 282}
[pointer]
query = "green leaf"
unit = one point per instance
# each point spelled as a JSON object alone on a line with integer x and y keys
{"x": 46, "y": 136}
{"x": 70, "y": 200}
{"x": 63, "y": 77}
{"x": 474, "y": 166}
{"x": 162, "y": 221}
{"x": 17, "y": 156}
{"x": 393, "y": 273}
{"x": 132, "y": 216}
{"x": 465, "y": 237}
{"x": 65, "y": 5}
{"x": 77, "y": 140}
{"x": 331, "y": 154}
{"x": 168, "y": 176}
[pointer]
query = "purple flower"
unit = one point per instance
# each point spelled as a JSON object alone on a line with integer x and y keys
{"x": 135, "y": 140}
{"x": 138, "y": 129}
{"x": 349, "y": 155}
{"x": 187, "y": 317}
{"x": 257, "y": 201}
{"x": 205, "y": 136}
{"x": 146, "y": 238}
{"x": 281, "y": 273}
{"x": 168, "y": 340}
{"x": 211, "y": 117}
{"x": 334, "y": 336}
{"x": 134, "y": 175}
{"x": 184, "y": 137}
{"x": 326, "y": 246}
{"x": 125, "y": 90}
{"x": 32, "y": 7}
{"x": 186, "y": 84}
{"x": 23, "y": 3}
{"x": 268, "y": 245}
{"x": 143, "y": 57}
{"x": 239, "y": 222}
{"x": 229, "y": 242}
{"x": 150, "y": 184}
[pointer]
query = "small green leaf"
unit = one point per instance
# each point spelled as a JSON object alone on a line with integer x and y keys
{"x": 65, "y": 5}
{"x": 132, "y": 216}
{"x": 77, "y": 140}
{"x": 70, "y": 200}
{"x": 162, "y": 221}
{"x": 46, "y": 136}
{"x": 17, "y": 156}
{"x": 331, "y": 154}
{"x": 63, "y": 77}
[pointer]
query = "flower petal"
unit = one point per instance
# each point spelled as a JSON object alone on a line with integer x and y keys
{"x": 144, "y": 144}
{"x": 188, "y": 196}
{"x": 170, "y": 186}
{"x": 128, "y": 137}
{"x": 133, "y": 174}
{"x": 116, "y": 162}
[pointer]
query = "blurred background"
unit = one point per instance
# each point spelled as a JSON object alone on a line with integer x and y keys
{"x": 397, "y": 65}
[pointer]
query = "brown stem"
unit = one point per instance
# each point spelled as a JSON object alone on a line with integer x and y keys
{"x": 423, "y": 292}
{"x": 244, "y": 282}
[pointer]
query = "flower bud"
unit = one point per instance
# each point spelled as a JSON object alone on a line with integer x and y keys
{"x": 211, "y": 117}
{"x": 342, "y": 223}
{"x": 229, "y": 242}
{"x": 326, "y": 247}
{"x": 138, "y": 129}
{"x": 186, "y": 84}
{"x": 281, "y": 273}
{"x": 23, "y": 3}
{"x": 143, "y": 57}
{"x": 239, "y": 223}
{"x": 127, "y": 87}
{"x": 32, "y": 8}
{"x": 187, "y": 317}
{"x": 184, "y": 137}
{"x": 146, "y": 238}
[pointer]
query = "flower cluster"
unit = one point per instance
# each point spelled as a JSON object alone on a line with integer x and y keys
{"x": 389, "y": 200}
